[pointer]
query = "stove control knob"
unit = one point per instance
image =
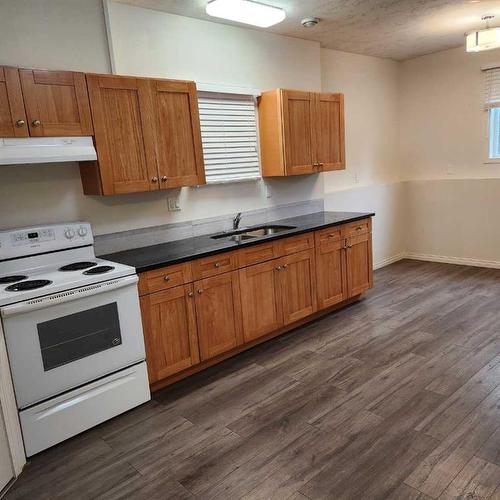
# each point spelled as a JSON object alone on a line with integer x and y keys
{"x": 69, "y": 233}
{"x": 82, "y": 231}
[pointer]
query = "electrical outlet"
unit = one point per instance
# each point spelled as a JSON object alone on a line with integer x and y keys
{"x": 173, "y": 204}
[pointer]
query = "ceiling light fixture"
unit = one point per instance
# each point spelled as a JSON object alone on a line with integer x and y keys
{"x": 246, "y": 11}
{"x": 479, "y": 40}
{"x": 309, "y": 22}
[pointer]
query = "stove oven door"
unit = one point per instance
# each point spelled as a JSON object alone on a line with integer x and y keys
{"x": 62, "y": 341}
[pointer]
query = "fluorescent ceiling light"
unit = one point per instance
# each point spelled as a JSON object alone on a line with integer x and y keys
{"x": 487, "y": 39}
{"x": 246, "y": 11}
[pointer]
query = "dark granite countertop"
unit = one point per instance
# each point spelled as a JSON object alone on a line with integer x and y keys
{"x": 174, "y": 252}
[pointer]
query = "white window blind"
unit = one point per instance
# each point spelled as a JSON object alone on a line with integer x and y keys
{"x": 492, "y": 88}
{"x": 229, "y": 136}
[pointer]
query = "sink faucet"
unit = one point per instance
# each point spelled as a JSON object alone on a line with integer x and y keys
{"x": 236, "y": 221}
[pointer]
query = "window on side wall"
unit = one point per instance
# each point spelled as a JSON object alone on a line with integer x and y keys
{"x": 492, "y": 105}
{"x": 229, "y": 135}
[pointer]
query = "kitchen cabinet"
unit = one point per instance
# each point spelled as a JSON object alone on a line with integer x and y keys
{"x": 13, "y": 121}
{"x": 301, "y": 132}
{"x": 170, "y": 334}
{"x": 177, "y": 134}
{"x": 147, "y": 135}
{"x": 359, "y": 264}
{"x": 218, "y": 314}
{"x": 260, "y": 299}
{"x": 56, "y": 102}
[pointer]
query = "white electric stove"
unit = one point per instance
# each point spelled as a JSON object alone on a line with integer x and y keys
{"x": 73, "y": 331}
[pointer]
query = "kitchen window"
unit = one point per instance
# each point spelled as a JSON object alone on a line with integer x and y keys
{"x": 229, "y": 135}
{"x": 492, "y": 105}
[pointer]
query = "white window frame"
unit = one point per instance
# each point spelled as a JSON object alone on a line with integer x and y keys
{"x": 209, "y": 90}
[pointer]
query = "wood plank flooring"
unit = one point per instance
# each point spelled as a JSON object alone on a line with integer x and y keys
{"x": 395, "y": 397}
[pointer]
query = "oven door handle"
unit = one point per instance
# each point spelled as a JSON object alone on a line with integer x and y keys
{"x": 67, "y": 296}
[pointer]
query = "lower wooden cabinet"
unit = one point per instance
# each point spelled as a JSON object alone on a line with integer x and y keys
{"x": 169, "y": 331}
{"x": 186, "y": 324}
{"x": 260, "y": 299}
{"x": 218, "y": 314}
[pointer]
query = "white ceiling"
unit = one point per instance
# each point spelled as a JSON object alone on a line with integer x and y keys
{"x": 396, "y": 29}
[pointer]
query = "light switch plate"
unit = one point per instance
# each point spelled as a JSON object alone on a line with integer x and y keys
{"x": 173, "y": 204}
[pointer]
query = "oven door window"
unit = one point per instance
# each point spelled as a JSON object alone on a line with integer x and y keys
{"x": 79, "y": 335}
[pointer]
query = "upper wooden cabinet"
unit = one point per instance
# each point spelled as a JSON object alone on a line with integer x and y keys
{"x": 43, "y": 103}
{"x": 301, "y": 132}
{"x": 12, "y": 115}
{"x": 56, "y": 102}
{"x": 147, "y": 135}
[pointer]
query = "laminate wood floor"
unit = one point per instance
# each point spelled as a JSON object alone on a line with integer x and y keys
{"x": 395, "y": 397}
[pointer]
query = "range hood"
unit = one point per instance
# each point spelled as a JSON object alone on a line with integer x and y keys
{"x": 46, "y": 150}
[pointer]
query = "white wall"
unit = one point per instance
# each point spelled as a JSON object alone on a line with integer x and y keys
{"x": 70, "y": 34}
{"x": 453, "y": 196}
{"x": 371, "y": 179}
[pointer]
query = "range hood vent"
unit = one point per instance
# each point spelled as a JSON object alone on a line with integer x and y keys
{"x": 46, "y": 150}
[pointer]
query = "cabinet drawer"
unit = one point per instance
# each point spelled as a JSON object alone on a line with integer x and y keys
{"x": 296, "y": 244}
{"x": 258, "y": 253}
{"x": 214, "y": 265}
{"x": 165, "y": 278}
{"x": 356, "y": 228}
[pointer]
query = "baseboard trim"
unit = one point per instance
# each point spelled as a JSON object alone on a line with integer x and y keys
{"x": 492, "y": 264}
{"x": 389, "y": 260}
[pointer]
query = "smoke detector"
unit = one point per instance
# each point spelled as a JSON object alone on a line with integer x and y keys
{"x": 309, "y": 22}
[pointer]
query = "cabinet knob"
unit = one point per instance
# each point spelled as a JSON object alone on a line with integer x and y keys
{"x": 315, "y": 164}
{"x": 36, "y": 123}
{"x": 20, "y": 123}
{"x": 217, "y": 264}
{"x": 163, "y": 178}
{"x": 285, "y": 266}
{"x": 278, "y": 268}
{"x": 200, "y": 291}
{"x": 190, "y": 294}
{"x": 320, "y": 164}
{"x": 154, "y": 179}
{"x": 167, "y": 278}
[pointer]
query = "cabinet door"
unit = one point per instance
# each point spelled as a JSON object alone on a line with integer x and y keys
{"x": 297, "y": 279}
{"x": 12, "y": 116}
{"x": 359, "y": 264}
{"x": 57, "y": 103}
{"x": 298, "y": 116}
{"x": 331, "y": 280}
{"x": 121, "y": 108}
{"x": 177, "y": 133}
{"x": 218, "y": 314}
{"x": 329, "y": 131}
{"x": 169, "y": 331}
{"x": 260, "y": 299}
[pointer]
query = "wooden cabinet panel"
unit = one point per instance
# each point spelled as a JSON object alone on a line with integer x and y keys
{"x": 170, "y": 331}
{"x": 260, "y": 300}
{"x": 57, "y": 103}
{"x": 296, "y": 244}
{"x": 218, "y": 314}
{"x": 177, "y": 130}
{"x": 331, "y": 280}
{"x": 357, "y": 228}
{"x": 297, "y": 279}
{"x": 298, "y": 116}
{"x": 258, "y": 253}
{"x": 329, "y": 131}
{"x": 164, "y": 278}
{"x": 214, "y": 265}
{"x": 13, "y": 121}
{"x": 121, "y": 107}
{"x": 359, "y": 264}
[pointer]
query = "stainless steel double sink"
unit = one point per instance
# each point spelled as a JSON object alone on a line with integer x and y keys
{"x": 251, "y": 233}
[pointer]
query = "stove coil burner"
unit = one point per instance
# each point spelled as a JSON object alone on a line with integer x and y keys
{"x": 77, "y": 266}
{"x": 28, "y": 285}
{"x": 12, "y": 279}
{"x": 99, "y": 270}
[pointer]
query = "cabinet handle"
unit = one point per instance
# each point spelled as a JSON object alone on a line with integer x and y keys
{"x": 163, "y": 178}
{"x": 20, "y": 123}
{"x": 332, "y": 235}
{"x": 285, "y": 266}
{"x": 315, "y": 164}
{"x": 190, "y": 294}
{"x": 320, "y": 164}
{"x": 359, "y": 228}
{"x": 278, "y": 268}
{"x": 154, "y": 180}
{"x": 36, "y": 123}
{"x": 167, "y": 278}
{"x": 200, "y": 291}
{"x": 217, "y": 264}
